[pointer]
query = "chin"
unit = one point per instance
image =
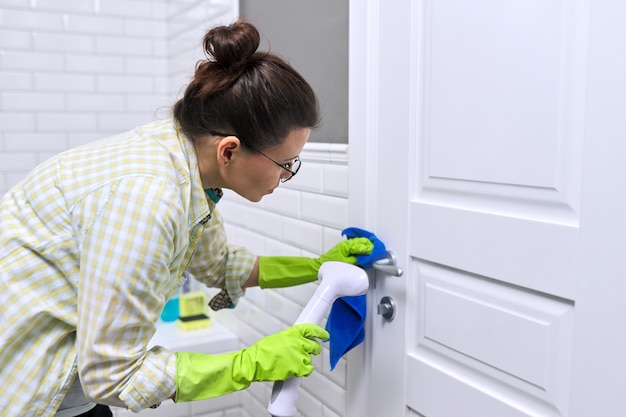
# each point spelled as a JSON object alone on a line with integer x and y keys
{"x": 254, "y": 199}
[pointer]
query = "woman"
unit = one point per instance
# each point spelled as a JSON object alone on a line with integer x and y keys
{"x": 94, "y": 241}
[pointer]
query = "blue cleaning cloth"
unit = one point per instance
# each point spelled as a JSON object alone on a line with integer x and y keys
{"x": 346, "y": 320}
{"x": 378, "y": 252}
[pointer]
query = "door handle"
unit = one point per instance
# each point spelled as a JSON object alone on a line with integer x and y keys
{"x": 388, "y": 265}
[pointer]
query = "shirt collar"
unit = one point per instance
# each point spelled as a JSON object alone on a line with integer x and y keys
{"x": 214, "y": 194}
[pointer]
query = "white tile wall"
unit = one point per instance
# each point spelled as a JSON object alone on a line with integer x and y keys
{"x": 74, "y": 71}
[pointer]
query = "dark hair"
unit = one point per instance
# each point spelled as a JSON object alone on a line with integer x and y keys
{"x": 254, "y": 95}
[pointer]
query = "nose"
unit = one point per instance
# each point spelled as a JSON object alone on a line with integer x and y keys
{"x": 284, "y": 175}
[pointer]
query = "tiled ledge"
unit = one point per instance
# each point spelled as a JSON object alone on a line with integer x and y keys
{"x": 325, "y": 152}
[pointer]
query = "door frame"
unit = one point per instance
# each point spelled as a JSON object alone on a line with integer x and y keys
{"x": 600, "y": 331}
{"x": 367, "y": 185}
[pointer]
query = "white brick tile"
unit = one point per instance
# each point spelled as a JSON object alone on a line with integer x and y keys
{"x": 140, "y": 27}
{"x": 13, "y": 177}
{"x": 335, "y": 180}
{"x": 256, "y": 297}
{"x": 16, "y": 121}
{"x": 146, "y": 103}
{"x": 266, "y": 223}
{"x": 123, "y": 45}
{"x": 309, "y": 178}
{"x": 64, "y": 82}
{"x": 301, "y": 294}
{"x": 122, "y": 121}
{"x": 213, "y": 414}
{"x": 179, "y": 69}
{"x": 160, "y": 86}
{"x": 281, "y": 307}
{"x": 129, "y": 84}
{"x": 15, "y": 39}
{"x": 26, "y": 60}
{"x": 330, "y": 413}
{"x": 135, "y": 8}
{"x": 4, "y": 187}
{"x": 35, "y": 141}
{"x": 283, "y": 201}
{"x": 276, "y": 247}
{"x": 325, "y": 210}
{"x": 66, "y": 121}
{"x": 94, "y": 64}
{"x": 256, "y": 409}
{"x": 94, "y": 24}
{"x": 308, "y": 405}
{"x": 234, "y": 413}
{"x": 263, "y": 322}
{"x": 96, "y": 102}
{"x": 30, "y": 20}
{"x": 62, "y": 42}
{"x": 44, "y": 156}
{"x": 17, "y": 161}
{"x": 17, "y": 4}
{"x": 159, "y": 48}
{"x": 15, "y": 81}
{"x": 146, "y": 66}
{"x": 302, "y": 234}
{"x": 320, "y": 387}
{"x": 252, "y": 241}
{"x": 33, "y": 101}
{"x": 234, "y": 213}
{"x": 66, "y": 6}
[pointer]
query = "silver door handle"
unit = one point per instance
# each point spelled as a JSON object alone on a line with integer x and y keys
{"x": 388, "y": 265}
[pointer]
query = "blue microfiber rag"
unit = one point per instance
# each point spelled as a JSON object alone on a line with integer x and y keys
{"x": 347, "y": 316}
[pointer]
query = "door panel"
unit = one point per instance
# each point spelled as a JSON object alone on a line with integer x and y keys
{"x": 513, "y": 250}
{"x": 483, "y": 104}
{"x": 494, "y": 205}
{"x": 507, "y": 343}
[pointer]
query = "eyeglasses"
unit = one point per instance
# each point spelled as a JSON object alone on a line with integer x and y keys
{"x": 291, "y": 167}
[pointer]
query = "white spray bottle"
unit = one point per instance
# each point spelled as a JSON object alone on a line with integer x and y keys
{"x": 337, "y": 279}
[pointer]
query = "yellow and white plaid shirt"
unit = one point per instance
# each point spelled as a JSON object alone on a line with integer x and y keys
{"x": 92, "y": 244}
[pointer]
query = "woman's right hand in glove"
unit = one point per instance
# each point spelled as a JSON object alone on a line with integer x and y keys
{"x": 276, "y": 357}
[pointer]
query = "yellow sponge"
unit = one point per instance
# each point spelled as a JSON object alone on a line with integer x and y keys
{"x": 193, "y": 308}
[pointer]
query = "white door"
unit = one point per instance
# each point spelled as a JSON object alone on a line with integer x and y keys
{"x": 487, "y": 141}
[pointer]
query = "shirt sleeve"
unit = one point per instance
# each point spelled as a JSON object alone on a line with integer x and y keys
{"x": 129, "y": 232}
{"x": 218, "y": 264}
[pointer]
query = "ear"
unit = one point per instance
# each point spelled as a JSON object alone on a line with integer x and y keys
{"x": 227, "y": 148}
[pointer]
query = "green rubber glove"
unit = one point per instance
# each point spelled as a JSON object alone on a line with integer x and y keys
{"x": 286, "y": 271}
{"x": 276, "y": 357}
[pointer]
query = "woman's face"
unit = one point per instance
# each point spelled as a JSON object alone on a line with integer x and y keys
{"x": 253, "y": 174}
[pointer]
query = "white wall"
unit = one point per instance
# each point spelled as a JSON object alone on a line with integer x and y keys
{"x": 73, "y": 71}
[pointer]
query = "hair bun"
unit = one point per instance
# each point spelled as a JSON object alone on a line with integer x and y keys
{"x": 230, "y": 46}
